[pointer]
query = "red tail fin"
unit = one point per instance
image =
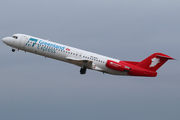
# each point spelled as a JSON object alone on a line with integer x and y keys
{"x": 154, "y": 62}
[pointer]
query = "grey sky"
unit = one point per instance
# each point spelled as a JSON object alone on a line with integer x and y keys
{"x": 32, "y": 87}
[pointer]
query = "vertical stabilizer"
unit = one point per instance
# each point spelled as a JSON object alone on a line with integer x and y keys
{"x": 154, "y": 62}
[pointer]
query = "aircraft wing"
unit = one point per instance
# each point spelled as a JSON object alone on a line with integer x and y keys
{"x": 80, "y": 62}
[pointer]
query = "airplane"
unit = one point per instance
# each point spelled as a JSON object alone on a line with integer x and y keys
{"x": 87, "y": 60}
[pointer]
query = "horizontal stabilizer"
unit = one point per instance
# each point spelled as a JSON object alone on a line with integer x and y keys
{"x": 165, "y": 56}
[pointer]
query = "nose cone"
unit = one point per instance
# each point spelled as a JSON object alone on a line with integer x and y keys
{"x": 4, "y": 40}
{"x": 7, "y": 40}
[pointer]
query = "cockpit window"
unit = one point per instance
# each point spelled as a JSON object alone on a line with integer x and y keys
{"x": 15, "y": 37}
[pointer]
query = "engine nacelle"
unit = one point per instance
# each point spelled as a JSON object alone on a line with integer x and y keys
{"x": 117, "y": 66}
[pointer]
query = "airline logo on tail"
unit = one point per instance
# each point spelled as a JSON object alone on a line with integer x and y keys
{"x": 154, "y": 62}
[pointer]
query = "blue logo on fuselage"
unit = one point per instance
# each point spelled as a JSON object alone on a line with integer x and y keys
{"x": 33, "y": 42}
{"x": 43, "y": 45}
{"x": 51, "y": 45}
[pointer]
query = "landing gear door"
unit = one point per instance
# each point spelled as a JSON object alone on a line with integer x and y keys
{"x": 23, "y": 42}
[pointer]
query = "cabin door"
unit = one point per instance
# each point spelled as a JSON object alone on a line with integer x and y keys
{"x": 23, "y": 42}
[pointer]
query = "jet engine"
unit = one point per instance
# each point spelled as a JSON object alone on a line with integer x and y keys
{"x": 117, "y": 66}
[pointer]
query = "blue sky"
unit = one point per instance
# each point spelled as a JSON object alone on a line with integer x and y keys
{"x": 38, "y": 88}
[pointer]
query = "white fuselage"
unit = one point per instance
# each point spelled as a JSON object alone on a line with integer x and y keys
{"x": 61, "y": 52}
